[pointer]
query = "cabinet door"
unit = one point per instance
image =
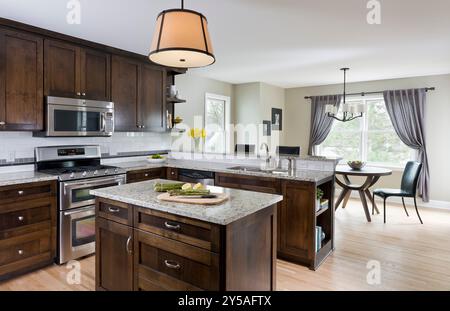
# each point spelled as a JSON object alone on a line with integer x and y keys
{"x": 21, "y": 81}
{"x": 114, "y": 256}
{"x": 297, "y": 225}
{"x": 124, "y": 85}
{"x": 62, "y": 69}
{"x": 151, "y": 108}
{"x": 95, "y": 75}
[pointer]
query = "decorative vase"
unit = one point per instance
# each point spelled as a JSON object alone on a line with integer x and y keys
{"x": 197, "y": 145}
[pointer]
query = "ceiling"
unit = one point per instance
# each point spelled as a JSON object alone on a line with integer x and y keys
{"x": 288, "y": 43}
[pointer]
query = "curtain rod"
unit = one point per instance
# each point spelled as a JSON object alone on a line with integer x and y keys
{"x": 378, "y": 92}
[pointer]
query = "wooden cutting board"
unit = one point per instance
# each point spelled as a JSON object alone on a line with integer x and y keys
{"x": 221, "y": 197}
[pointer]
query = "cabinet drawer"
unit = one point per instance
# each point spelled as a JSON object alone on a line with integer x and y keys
{"x": 115, "y": 211}
{"x": 24, "y": 247}
{"x": 172, "y": 173}
{"x": 147, "y": 174}
{"x": 189, "y": 231}
{"x": 173, "y": 265}
{"x": 27, "y": 191}
{"x": 25, "y": 217}
{"x": 252, "y": 183}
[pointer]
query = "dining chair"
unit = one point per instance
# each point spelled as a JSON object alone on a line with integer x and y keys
{"x": 407, "y": 189}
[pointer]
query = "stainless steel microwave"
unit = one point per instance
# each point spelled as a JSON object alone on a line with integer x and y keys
{"x": 77, "y": 117}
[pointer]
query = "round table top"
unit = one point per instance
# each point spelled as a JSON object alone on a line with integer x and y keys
{"x": 365, "y": 171}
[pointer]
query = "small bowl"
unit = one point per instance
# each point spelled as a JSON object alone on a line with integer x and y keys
{"x": 156, "y": 161}
{"x": 356, "y": 165}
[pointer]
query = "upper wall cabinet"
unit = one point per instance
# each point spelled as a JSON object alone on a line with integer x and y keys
{"x": 125, "y": 88}
{"x": 74, "y": 71}
{"x": 151, "y": 108}
{"x": 138, "y": 95}
{"x": 21, "y": 81}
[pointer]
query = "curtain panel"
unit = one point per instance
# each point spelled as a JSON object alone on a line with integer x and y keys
{"x": 406, "y": 109}
{"x": 320, "y": 122}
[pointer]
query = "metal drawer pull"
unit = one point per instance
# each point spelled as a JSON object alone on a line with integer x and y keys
{"x": 172, "y": 264}
{"x": 20, "y": 218}
{"x": 173, "y": 173}
{"x": 129, "y": 250}
{"x": 20, "y": 192}
{"x": 2, "y": 123}
{"x": 113, "y": 209}
{"x": 20, "y": 252}
{"x": 146, "y": 174}
{"x": 171, "y": 226}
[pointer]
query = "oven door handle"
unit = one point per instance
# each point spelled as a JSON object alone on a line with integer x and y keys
{"x": 80, "y": 210}
{"x": 98, "y": 182}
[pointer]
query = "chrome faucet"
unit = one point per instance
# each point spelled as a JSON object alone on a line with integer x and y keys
{"x": 292, "y": 164}
{"x": 268, "y": 157}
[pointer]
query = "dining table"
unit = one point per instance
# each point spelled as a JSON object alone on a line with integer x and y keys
{"x": 371, "y": 175}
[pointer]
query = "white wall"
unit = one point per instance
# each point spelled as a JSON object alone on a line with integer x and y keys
{"x": 193, "y": 88}
{"x": 437, "y": 120}
{"x": 253, "y": 104}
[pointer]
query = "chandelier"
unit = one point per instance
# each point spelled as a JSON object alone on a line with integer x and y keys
{"x": 349, "y": 111}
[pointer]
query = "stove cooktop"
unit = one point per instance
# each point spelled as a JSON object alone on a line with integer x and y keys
{"x": 82, "y": 172}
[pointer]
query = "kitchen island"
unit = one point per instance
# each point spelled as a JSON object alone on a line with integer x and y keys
{"x": 143, "y": 243}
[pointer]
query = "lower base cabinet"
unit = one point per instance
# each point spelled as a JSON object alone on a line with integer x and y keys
{"x": 27, "y": 227}
{"x": 158, "y": 251}
{"x": 114, "y": 256}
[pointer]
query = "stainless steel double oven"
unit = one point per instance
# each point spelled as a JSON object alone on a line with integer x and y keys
{"x": 79, "y": 170}
{"x": 77, "y": 216}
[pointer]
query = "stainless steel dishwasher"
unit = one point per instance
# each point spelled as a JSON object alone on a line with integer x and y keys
{"x": 196, "y": 176}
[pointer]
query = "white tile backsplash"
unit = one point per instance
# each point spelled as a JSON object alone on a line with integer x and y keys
{"x": 14, "y": 145}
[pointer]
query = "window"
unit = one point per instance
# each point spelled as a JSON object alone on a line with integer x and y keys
{"x": 371, "y": 138}
{"x": 217, "y": 114}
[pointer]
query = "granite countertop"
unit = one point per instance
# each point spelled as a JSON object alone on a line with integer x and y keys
{"x": 220, "y": 167}
{"x": 241, "y": 203}
{"x": 7, "y": 179}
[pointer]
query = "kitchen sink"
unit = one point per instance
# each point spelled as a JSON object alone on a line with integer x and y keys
{"x": 259, "y": 170}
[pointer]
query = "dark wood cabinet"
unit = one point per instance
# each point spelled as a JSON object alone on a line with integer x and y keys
{"x": 151, "y": 105}
{"x": 114, "y": 256}
{"x": 21, "y": 81}
{"x": 124, "y": 92}
{"x": 95, "y": 74}
{"x": 172, "y": 252}
{"x": 145, "y": 174}
{"x": 75, "y": 71}
{"x": 296, "y": 215}
{"x": 27, "y": 227}
{"x": 172, "y": 173}
{"x": 138, "y": 93}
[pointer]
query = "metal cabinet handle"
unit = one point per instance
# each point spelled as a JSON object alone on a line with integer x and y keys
{"x": 113, "y": 209}
{"x": 172, "y": 264}
{"x": 20, "y": 218}
{"x": 78, "y": 94}
{"x": 129, "y": 250}
{"x": 2, "y": 123}
{"x": 171, "y": 226}
{"x": 146, "y": 174}
{"x": 20, "y": 192}
{"x": 83, "y": 94}
{"x": 20, "y": 252}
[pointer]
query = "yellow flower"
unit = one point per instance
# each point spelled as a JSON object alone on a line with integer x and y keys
{"x": 203, "y": 133}
{"x": 197, "y": 133}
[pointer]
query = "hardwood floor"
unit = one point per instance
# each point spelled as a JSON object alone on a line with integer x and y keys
{"x": 411, "y": 257}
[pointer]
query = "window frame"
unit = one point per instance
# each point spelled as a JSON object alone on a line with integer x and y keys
{"x": 227, "y": 100}
{"x": 364, "y": 135}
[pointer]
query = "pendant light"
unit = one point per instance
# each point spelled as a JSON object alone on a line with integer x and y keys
{"x": 181, "y": 39}
{"x": 349, "y": 111}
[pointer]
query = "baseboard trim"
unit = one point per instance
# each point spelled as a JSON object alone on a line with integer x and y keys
{"x": 408, "y": 201}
